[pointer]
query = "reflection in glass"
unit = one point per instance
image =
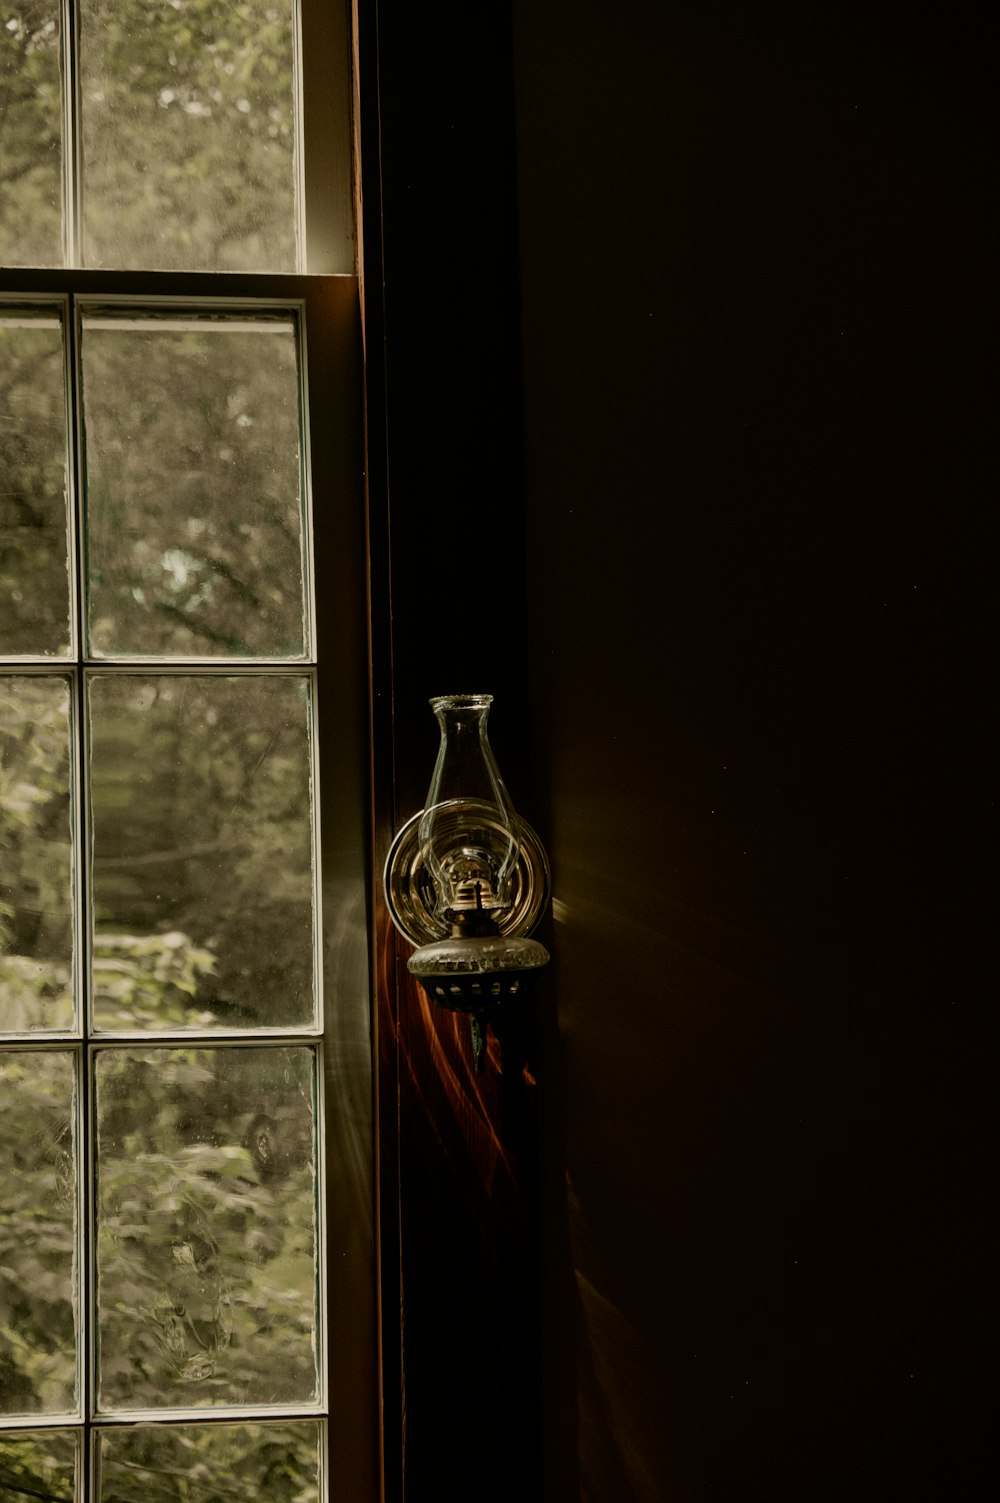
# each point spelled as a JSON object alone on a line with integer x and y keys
{"x": 34, "y": 572}
{"x": 276, "y": 1463}
{"x": 194, "y": 487}
{"x": 37, "y": 1233}
{"x": 189, "y": 159}
{"x": 38, "y": 1464}
{"x": 30, "y": 134}
{"x": 36, "y": 896}
{"x": 206, "y": 1235}
{"x": 202, "y": 850}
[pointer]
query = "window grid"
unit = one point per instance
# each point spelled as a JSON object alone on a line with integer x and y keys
{"x": 83, "y": 1040}
{"x": 324, "y": 172}
{"x": 305, "y": 15}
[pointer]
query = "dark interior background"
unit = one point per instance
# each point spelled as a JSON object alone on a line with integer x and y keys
{"x": 690, "y": 331}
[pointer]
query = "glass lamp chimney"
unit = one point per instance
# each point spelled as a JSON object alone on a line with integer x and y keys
{"x": 468, "y": 833}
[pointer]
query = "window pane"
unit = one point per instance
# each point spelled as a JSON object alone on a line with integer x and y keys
{"x": 36, "y": 858}
{"x": 202, "y": 850}
{"x": 189, "y": 159}
{"x": 31, "y": 115}
{"x": 37, "y": 1233}
{"x": 275, "y": 1463}
{"x": 34, "y": 572}
{"x": 206, "y": 1238}
{"x": 38, "y": 1464}
{"x": 194, "y": 487}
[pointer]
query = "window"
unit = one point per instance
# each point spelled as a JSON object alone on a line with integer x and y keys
{"x": 186, "y": 1284}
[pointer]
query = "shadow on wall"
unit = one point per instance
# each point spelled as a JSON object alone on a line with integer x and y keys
{"x": 768, "y": 1228}
{"x": 756, "y": 271}
{"x": 467, "y": 1248}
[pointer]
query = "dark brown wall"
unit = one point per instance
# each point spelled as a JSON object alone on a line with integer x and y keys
{"x": 758, "y": 297}
{"x": 755, "y": 326}
{"x": 458, "y": 1212}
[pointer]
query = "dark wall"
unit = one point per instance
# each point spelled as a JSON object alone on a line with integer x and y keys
{"x": 457, "y": 1153}
{"x": 758, "y": 316}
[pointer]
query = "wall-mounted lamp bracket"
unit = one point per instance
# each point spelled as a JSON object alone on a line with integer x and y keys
{"x": 464, "y": 971}
{"x": 466, "y": 879}
{"x": 409, "y": 887}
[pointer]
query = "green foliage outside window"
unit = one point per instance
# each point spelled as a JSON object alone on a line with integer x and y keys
{"x": 188, "y": 134}
{"x": 30, "y": 134}
{"x": 202, "y": 877}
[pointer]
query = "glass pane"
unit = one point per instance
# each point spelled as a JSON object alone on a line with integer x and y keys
{"x": 31, "y": 113}
{"x": 274, "y": 1463}
{"x": 194, "y": 487}
{"x": 36, "y": 856}
{"x": 206, "y": 1235}
{"x": 34, "y": 572}
{"x": 37, "y": 1233}
{"x": 189, "y": 159}
{"x": 38, "y": 1464}
{"x": 202, "y": 849}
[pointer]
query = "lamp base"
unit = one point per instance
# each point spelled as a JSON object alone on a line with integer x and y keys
{"x": 473, "y": 992}
{"x": 477, "y": 976}
{"x": 466, "y": 973}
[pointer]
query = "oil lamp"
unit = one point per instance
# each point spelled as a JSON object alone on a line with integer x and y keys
{"x": 466, "y": 879}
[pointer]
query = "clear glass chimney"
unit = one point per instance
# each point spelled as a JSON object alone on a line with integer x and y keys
{"x": 469, "y": 837}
